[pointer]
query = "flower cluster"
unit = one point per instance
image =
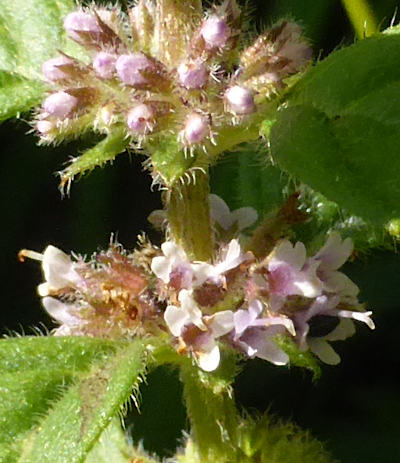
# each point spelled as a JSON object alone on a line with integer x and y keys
{"x": 246, "y": 303}
{"x": 164, "y": 67}
{"x": 108, "y": 296}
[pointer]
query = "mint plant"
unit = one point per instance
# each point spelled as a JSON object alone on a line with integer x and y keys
{"x": 183, "y": 86}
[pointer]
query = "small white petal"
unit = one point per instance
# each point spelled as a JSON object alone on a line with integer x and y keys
{"x": 189, "y": 305}
{"x": 324, "y": 351}
{"x": 232, "y": 259}
{"x": 268, "y": 350}
{"x": 43, "y": 289}
{"x": 335, "y": 252}
{"x": 175, "y": 318}
{"x": 161, "y": 267}
{"x": 244, "y": 216}
{"x": 201, "y": 272}
{"x": 364, "y": 317}
{"x": 209, "y": 360}
{"x": 338, "y": 282}
{"x": 286, "y": 322}
{"x": 60, "y": 311}
{"x": 220, "y": 212}
{"x": 221, "y": 323}
{"x": 58, "y": 269}
{"x": 344, "y": 330}
{"x": 289, "y": 255}
{"x": 171, "y": 249}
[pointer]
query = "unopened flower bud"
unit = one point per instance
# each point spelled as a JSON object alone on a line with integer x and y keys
{"x": 57, "y": 68}
{"x": 140, "y": 119}
{"x": 77, "y": 22}
{"x": 130, "y": 67}
{"x": 215, "y": 32}
{"x": 60, "y": 104}
{"x": 44, "y": 127}
{"x": 104, "y": 64}
{"x": 240, "y": 100}
{"x": 192, "y": 75}
{"x": 196, "y": 128}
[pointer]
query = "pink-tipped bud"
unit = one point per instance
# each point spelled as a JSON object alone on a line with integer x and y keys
{"x": 192, "y": 74}
{"x": 240, "y": 100}
{"x": 104, "y": 64}
{"x": 130, "y": 68}
{"x": 56, "y": 68}
{"x": 44, "y": 127}
{"x": 196, "y": 128}
{"x": 60, "y": 104}
{"x": 141, "y": 119}
{"x": 77, "y": 22}
{"x": 215, "y": 32}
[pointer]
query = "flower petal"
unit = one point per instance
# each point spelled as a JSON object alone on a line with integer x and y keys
{"x": 334, "y": 253}
{"x": 221, "y": 323}
{"x": 220, "y": 212}
{"x": 324, "y": 351}
{"x": 364, "y": 317}
{"x": 244, "y": 217}
{"x": 176, "y": 319}
{"x": 161, "y": 267}
{"x": 209, "y": 360}
{"x": 58, "y": 269}
{"x": 60, "y": 311}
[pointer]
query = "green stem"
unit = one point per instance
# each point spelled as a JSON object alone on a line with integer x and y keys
{"x": 213, "y": 416}
{"x": 188, "y": 212}
{"x": 362, "y": 17}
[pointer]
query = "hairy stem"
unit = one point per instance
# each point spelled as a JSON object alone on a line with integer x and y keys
{"x": 212, "y": 413}
{"x": 361, "y": 17}
{"x": 189, "y": 216}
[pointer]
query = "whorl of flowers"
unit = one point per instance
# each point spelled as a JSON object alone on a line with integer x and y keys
{"x": 234, "y": 300}
{"x": 164, "y": 67}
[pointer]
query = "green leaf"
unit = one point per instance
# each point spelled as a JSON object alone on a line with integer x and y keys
{"x": 30, "y": 33}
{"x": 169, "y": 160}
{"x": 105, "y": 151}
{"x": 59, "y": 394}
{"x": 112, "y": 447}
{"x": 18, "y": 94}
{"x": 297, "y": 357}
{"x": 243, "y": 178}
{"x": 341, "y": 131}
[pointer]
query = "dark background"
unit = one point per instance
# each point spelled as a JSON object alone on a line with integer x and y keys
{"x": 354, "y": 408}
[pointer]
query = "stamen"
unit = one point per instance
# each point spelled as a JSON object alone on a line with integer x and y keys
{"x": 26, "y": 253}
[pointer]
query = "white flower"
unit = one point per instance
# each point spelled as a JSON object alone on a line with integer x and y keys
{"x": 254, "y": 334}
{"x": 175, "y": 267}
{"x": 177, "y": 318}
{"x": 63, "y": 313}
{"x": 241, "y": 218}
{"x": 231, "y": 258}
{"x": 332, "y": 256}
{"x": 202, "y": 342}
{"x": 59, "y": 271}
{"x": 327, "y": 307}
{"x": 290, "y": 273}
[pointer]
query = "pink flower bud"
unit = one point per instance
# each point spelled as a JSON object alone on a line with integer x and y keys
{"x": 60, "y": 104}
{"x": 44, "y": 127}
{"x": 77, "y": 22}
{"x": 140, "y": 119}
{"x": 215, "y": 32}
{"x": 104, "y": 64}
{"x": 240, "y": 100}
{"x": 196, "y": 128}
{"x": 192, "y": 74}
{"x": 130, "y": 67}
{"x": 53, "y": 70}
